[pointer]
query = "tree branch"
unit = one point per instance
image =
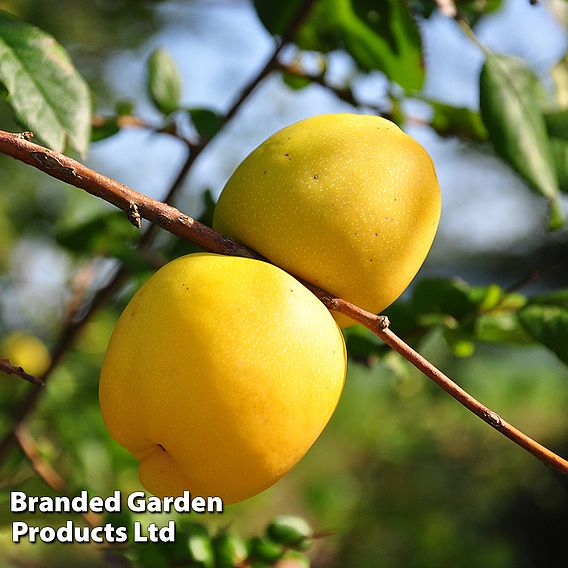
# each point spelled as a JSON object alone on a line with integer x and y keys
{"x": 74, "y": 327}
{"x": 46, "y": 472}
{"x": 345, "y": 93}
{"x": 183, "y": 226}
{"x": 10, "y": 369}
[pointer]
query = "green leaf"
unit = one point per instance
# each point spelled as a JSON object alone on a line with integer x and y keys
{"x": 104, "y": 128}
{"x": 459, "y": 343}
{"x": 208, "y": 212}
{"x": 500, "y": 327}
{"x": 276, "y": 16}
{"x": 108, "y": 234}
{"x": 548, "y": 324}
{"x": 560, "y": 155}
{"x": 150, "y": 556}
{"x": 443, "y": 296}
{"x": 206, "y": 122}
{"x": 230, "y": 550}
{"x": 265, "y": 549}
{"x": 382, "y": 35}
{"x": 98, "y": 235}
{"x": 124, "y": 108}
{"x": 289, "y": 530}
{"x": 560, "y": 78}
{"x": 361, "y": 343}
{"x": 510, "y": 111}
{"x": 557, "y": 123}
{"x": 164, "y": 82}
{"x": 296, "y": 82}
{"x": 558, "y": 298}
{"x": 199, "y": 546}
{"x": 459, "y": 122}
{"x": 319, "y": 31}
{"x": 44, "y": 89}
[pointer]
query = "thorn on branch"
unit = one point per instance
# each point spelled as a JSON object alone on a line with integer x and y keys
{"x": 10, "y": 369}
{"x": 134, "y": 215}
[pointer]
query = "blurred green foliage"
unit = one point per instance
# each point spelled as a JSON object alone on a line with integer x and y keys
{"x": 403, "y": 476}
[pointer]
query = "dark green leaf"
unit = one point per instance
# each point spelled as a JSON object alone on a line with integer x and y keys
{"x": 548, "y": 324}
{"x": 289, "y": 530}
{"x": 104, "y": 128}
{"x": 557, "y": 123}
{"x": 164, "y": 82}
{"x": 109, "y": 234}
{"x": 382, "y": 36}
{"x": 265, "y": 549}
{"x": 209, "y": 204}
{"x": 443, "y": 296}
{"x": 318, "y": 33}
{"x": 361, "y": 343}
{"x": 45, "y": 91}
{"x": 559, "y": 299}
{"x": 276, "y": 16}
{"x": 97, "y": 235}
{"x": 560, "y": 154}
{"x": 230, "y": 550}
{"x": 404, "y": 315}
{"x": 510, "y": 111}
{"x": 124, "y": 108}
{"x": 206, "y": 122}
{"x": 379, "y": 34}
{"x": 294, "y": 81}
{"x": 150, "y": 556}
{"x": 460, "y": 122}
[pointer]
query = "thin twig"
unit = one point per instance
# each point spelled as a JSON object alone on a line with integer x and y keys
{"x": 535, "y": 275}
{"x": 272, "y": 62}
{"x": 10, "y": 369}
{"x": 185, "y": 227}
{"x": 345, "y": 94}
{"x": 73, "y": 328}
{"x": 46, "y": 472}
{"x": 38, "y": 463}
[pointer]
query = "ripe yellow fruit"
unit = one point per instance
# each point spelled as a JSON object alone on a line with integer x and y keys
{"x": 348, "y": 202}
{"x": 26, "y": 350}
{"x": 220, "y": 375}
